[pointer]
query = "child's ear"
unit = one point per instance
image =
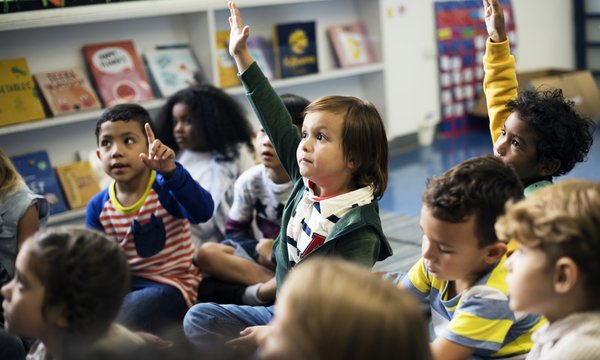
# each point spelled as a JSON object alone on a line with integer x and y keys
{"x": 495, "y": 252}
{"x": 566, "y": 275}
{"x": 550, "y": 167}
{"x": 98, "y": 154}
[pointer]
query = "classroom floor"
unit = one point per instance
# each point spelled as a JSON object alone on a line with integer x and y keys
{"x": 409, "y": 170}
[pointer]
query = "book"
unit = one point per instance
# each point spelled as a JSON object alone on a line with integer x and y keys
{"x": 295, "y": 49}
{"x": 36, "y": 170}
{"x": 225, "y": 63}
{"x": 262, "y": 52}
{"x": 19, "y": 98}
{"x": 78, "y": 182}
{"x": 66, "y": 91}
{"x": 351, "y": 45}
{"x": 172, "y": 68}
{"x": 117, "y": 72}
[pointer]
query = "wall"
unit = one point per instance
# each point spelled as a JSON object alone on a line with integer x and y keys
{"x": 545, "y": 39}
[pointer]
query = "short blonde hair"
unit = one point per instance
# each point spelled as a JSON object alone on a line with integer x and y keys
{"x": 340, "y": 310}
{"x": 10, "y": 180}
{"x": 561, "y": 220}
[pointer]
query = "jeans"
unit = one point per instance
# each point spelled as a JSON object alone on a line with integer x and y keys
{"x": 151, "y": 306}
{"x": 209, "y": 325}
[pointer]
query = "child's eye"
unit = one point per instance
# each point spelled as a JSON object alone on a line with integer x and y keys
{"x": 304, "y": 134}
{"x": 129, "y": 141}
{"x": 320, "y": 137}
{"x": 515, "y": 143}
{"x": 446, "y": 251}
{"x": 104, "y": 143}
{"x": 503, "y": 133}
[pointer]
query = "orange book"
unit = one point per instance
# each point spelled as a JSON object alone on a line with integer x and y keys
{"x": 117, "y": 72}
{"x": 67, "y": 91}
{"x": 79, "y": 183}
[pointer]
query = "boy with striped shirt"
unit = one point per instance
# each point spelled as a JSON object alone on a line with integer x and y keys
{"x": 147, "y": 209}
{"x": 462, "y": 267}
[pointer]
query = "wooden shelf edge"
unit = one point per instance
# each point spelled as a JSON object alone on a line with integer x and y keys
{"x": 66, "y": 216}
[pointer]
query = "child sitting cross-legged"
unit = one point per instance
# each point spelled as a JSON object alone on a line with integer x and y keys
{"x": 241, "y": 267}
{"x": 462, "y": 268}
{"x": 555, "y": 269}
{"x": 147, "y": 210}
{"x": 338, "y": 167}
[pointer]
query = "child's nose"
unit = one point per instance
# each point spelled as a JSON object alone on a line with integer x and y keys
{"x": 499, "y": 148}
{"x": 6, "y": 290}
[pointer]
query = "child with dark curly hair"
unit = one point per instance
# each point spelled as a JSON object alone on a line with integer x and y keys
{"x": 539, "y": 133}
{"x": 208, "y": 130}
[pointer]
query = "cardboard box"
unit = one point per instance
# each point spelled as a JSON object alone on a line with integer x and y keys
{"x": 578, "y": 86}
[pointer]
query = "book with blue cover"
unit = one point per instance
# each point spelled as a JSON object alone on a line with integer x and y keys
{"x": 295, "y": 49}
{"x": 36, "y": 170}
{"x": 172, "y": 68}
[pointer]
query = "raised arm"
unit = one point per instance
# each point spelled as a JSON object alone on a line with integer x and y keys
{"x": 238, "y": 47}
{"x": 494, "y": 20}
{"x": 500, "y": 81}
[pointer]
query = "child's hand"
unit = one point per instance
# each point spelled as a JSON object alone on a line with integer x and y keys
{"x": 250, "y": 338}
{"x": 238, "y": 48}
{"x": 494, "y": 20}
{"x": 160, "y": 157}
{"x": 264, "y": 248}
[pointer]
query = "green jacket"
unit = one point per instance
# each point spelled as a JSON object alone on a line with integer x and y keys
{"x": 358, "y": 235}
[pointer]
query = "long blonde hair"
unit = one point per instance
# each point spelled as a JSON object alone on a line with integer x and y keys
{"x": 340, "y": 310}
{"x": 10, "y": 180}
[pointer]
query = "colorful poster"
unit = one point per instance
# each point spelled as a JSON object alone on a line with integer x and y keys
{"x": 461, "y": 37}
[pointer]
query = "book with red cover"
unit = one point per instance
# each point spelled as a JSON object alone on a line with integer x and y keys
{"x": 67, "y": 91}
{"x": 117, "y": 72}
{"x": 351, "y": 45}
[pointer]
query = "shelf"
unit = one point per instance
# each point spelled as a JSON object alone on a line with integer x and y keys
{"x": 66, "y": 216}
{"x": 120, "y": 11}
{"x": 157, "y": 103}
{"x": 68, "y": 119}
{"x": 319, "y": 77}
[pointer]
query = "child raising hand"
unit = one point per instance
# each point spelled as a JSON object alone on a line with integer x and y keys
{"x": 338, "y": 167}
{"x": 538, "y": 133}
{"x": 147, "y": 210}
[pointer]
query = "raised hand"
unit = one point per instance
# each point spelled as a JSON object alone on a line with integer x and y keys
{"x": 494, "y": 20}
{"x": 160, "y": 157}
{"x": 238, "y": 37}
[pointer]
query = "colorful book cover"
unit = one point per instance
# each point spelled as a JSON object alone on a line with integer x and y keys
{"x": 19, "y": 99}
{"x": 262, "y": 52}
{"x": 36, "y": 170}
{"x": 78, "y": 182}
{"x": 172, "y": 67}
{"x": 117, "y": 72}
{"x": 225, "y": 63}
{"x": 67, "y": 91}
{"x": 295, "y": 49}
{"x": 351, "y": 45}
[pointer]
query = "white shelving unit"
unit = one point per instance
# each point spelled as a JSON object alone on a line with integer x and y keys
{"x": 52, "y": 40}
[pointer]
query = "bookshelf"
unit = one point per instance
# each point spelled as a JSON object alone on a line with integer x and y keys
{"x": 52, "y": 40}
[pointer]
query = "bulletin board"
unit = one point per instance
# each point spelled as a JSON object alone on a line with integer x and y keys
{"x": 461, "y": 37}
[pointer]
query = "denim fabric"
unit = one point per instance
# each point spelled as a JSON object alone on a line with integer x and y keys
{"x": 210, "y": 325}
{"x": 151, "y": 306}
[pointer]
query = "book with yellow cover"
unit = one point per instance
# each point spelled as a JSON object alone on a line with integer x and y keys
{"x": 79, "y": 183}
{"x": 225, "y": 63}
{"x": 19, "y": 99}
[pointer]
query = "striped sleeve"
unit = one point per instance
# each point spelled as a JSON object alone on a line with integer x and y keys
{"x": 417, "y": 280}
